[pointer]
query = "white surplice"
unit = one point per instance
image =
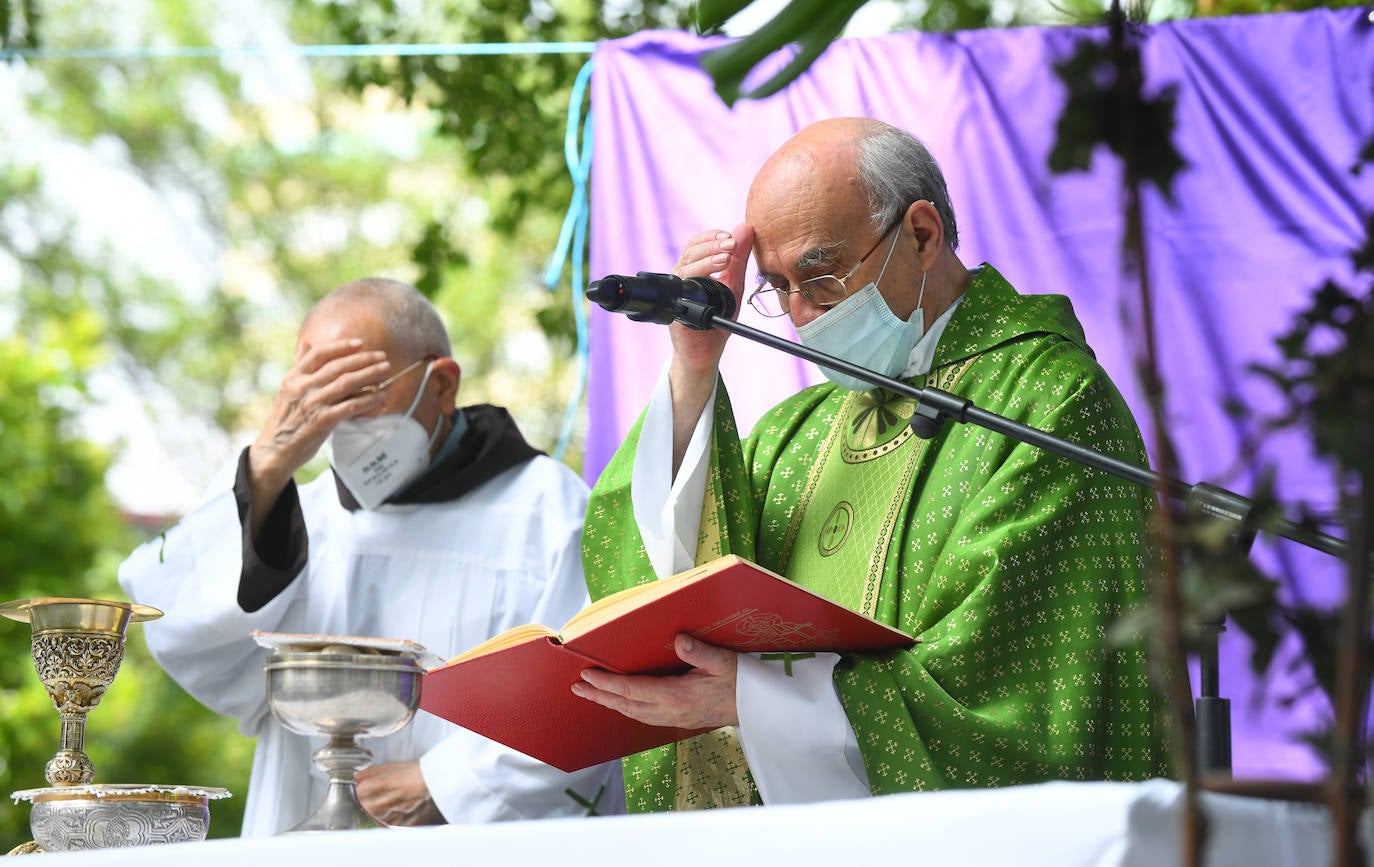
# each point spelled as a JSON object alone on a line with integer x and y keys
{"x": 447, "y": 575}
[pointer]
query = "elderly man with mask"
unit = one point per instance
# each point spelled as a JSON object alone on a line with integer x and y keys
{"x": 1008, "y": 564}
{"x": 438, "y": 524}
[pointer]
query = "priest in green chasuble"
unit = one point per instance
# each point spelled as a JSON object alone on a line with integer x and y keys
{"x": 1009, "y": 564}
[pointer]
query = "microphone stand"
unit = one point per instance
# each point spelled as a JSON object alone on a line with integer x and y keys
{"x": 934, "y": 407}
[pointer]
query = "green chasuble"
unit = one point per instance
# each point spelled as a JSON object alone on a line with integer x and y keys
{"x": 1007, "y": 562}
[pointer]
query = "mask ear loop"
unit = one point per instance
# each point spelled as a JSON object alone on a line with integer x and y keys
{"x": 890, "y": 250}
{"x": 438, "y": 425}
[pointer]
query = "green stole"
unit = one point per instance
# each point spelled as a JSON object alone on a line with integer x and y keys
{"x": 708, "y": 770}
{"x": 1008, "y": 565}
{"x": 855, "y": 498}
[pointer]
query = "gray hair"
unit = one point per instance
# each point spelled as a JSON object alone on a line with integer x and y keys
{"x": 897, "y": 170}
{"x": 410, "y": 318}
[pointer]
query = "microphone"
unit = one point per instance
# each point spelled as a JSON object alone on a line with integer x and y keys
{"x": 664, "y": 298}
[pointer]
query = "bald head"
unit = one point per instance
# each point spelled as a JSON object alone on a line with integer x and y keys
{"x": 409, "y": 319}
{"x": 854, "y": 165}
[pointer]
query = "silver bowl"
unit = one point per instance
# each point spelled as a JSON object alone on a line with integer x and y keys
{"x": 344, "y": 696}
{"x": 110, "y": 816}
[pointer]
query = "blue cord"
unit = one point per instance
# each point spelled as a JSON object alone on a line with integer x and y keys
{"x": 572, "y": 238}
{"x": 198, "y": 51}
{"x": 572, "y": 241}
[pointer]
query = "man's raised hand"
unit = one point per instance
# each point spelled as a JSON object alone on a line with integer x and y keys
{"x": 323, "y": 387}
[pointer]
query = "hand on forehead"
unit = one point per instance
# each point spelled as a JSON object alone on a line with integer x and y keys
{"x": 338, "y": 323}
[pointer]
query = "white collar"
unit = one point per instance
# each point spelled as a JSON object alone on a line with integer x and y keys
{"x": 923, "y": 353}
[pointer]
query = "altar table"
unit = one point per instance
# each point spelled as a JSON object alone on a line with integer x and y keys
{"x": 1052, "y": 824}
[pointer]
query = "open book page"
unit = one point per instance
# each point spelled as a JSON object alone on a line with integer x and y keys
{"x": 517, "y": 687}
{"x": 610, "y": 607}
{"x": 730, "y": 602}
{"x": 506, "y": 639}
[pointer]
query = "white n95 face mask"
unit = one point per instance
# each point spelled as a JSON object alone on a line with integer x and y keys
{"x": 376, "y": 457}
{"x": 863, "y": 330}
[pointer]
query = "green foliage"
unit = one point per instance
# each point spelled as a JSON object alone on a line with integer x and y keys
{"x": 1327, "y": 365}
{"x": 505, "y": 114}
{"x": 807, "y": 27}
{"x": 1106, "y": 106}
{"x": 49, "y": 470}
{"x": 1325, "y": 377}
{"x": 19, "y": 23}
{"x": 61, "y": 536}
{"x": 434, "y": 255}
{"x": 811, "y": 24}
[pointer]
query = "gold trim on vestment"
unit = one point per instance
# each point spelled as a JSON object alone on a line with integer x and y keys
{"x": 710, "y": 769}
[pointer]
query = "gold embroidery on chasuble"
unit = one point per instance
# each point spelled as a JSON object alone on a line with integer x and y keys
{"x": 710, "y": 770}
{"x": 856, "y": 497}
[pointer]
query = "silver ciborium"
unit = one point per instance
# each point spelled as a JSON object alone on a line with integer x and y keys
{"x": 108, "y": 816}
{"x": 78, "y": 645}
{"x": 344, "y": 692}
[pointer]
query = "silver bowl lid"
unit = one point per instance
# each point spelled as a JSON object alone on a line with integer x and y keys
{"x": 118, "y": 791}
{"x": 283, "y": 643}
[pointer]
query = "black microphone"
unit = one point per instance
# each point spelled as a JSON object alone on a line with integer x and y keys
{"x": 664, "y": 298}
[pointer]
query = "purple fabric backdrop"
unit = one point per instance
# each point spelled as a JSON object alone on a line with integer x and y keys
{"x": 1272, "y": 113}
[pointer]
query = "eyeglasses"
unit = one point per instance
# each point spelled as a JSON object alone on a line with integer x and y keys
{"x": 386, "y": 383}
{"x": 824, "y": 291}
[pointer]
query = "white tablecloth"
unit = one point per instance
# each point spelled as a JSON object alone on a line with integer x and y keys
{"x": 1054, "y": 824}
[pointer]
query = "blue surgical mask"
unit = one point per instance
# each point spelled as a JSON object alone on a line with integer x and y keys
{"x": 863, "y": 330}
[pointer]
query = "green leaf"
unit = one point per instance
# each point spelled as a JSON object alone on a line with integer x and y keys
{"x": 815, "y": 23}
{"x": 712, "y": 14}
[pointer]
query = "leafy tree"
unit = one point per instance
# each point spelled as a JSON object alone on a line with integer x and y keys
{"x": 60, "y": 535}
{"x": 286, "y": 200}
{"x": 505, "y": 112}
{"x": 1326, "y": 377}
{"x": 466, "y": 207}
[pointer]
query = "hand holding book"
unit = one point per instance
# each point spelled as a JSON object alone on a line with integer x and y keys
{"x": 517, "y": 688}
{"x": 702, "y": 698}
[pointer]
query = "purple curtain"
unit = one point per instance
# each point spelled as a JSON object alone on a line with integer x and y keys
{"x": 1272, "y": 114}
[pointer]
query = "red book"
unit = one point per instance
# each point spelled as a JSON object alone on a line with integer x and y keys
{"x": 516, "y": 688}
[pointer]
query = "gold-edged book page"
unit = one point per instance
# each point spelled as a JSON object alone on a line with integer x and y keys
{"x": 510, "y": 637}
{"x": 610, "y": 607}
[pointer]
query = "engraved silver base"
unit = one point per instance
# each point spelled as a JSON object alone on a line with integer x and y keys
{"x": 66, "y": 818}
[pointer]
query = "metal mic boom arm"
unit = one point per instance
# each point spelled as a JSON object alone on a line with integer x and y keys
{"x": 934, "y": 406}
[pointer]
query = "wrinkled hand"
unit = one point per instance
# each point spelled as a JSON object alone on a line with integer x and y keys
{"x": 703, "y": 698}
{"x": 722, "y": 255}
{"x": 323, "y": 387}
{"x": 395, "y": 794}
{"x": 696, "y": 354}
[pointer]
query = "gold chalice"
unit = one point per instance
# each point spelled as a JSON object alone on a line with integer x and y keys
{"x": 78, "y": 645}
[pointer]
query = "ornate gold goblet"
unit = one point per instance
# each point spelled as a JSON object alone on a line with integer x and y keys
{"x": 78, "y": 645}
